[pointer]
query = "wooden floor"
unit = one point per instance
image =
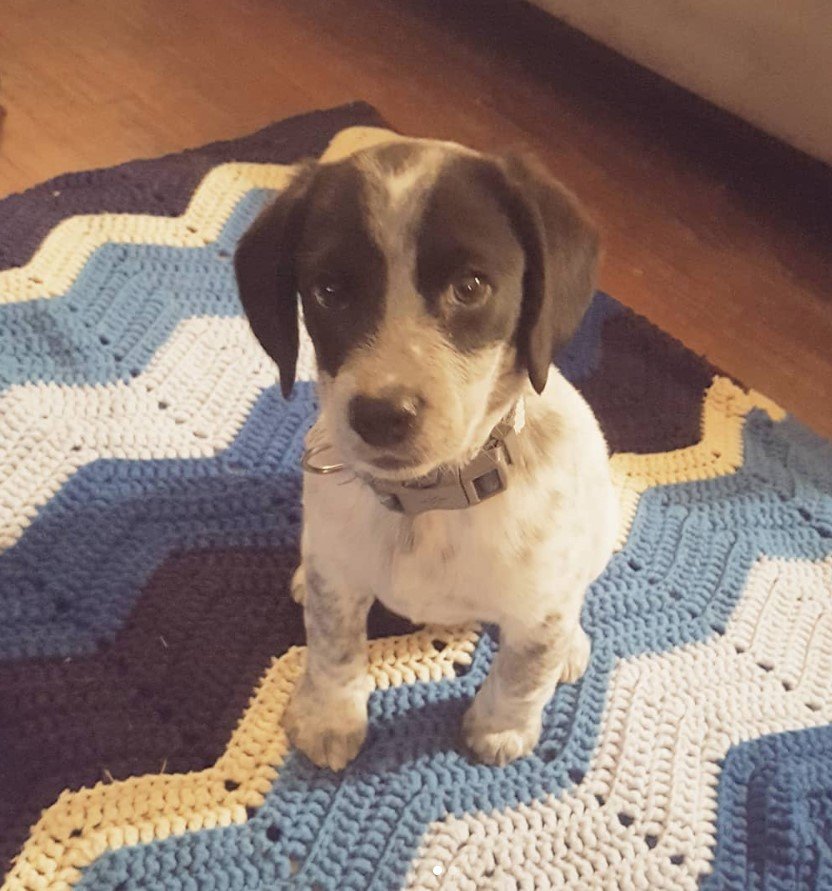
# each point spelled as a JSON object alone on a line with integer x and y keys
{"x": 718, "y": 234}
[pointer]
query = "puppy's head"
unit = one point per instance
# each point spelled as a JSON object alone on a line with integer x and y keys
{"x": 434, "y": 282}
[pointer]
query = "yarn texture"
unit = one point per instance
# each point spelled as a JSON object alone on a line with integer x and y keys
{"x": 149, "y": 526}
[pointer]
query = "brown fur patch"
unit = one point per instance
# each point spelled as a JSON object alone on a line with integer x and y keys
{"x": 527, "y": 667}
{"x": 336, "y": 627}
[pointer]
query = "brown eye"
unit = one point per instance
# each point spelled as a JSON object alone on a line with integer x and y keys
{"x": 328, "y": 296}
{"x": 471, "y": 289}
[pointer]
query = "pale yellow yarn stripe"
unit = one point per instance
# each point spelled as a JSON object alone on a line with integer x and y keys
{"x": 718, "y": 453}
{"x": 156, "y": 806}
{"x": 63, "y": 253}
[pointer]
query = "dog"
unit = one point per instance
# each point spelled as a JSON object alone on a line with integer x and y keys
{"x": 436, "y": 284}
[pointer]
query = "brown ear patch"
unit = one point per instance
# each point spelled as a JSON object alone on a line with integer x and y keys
{"x": 562, "y": 248}
{"x": 265, "y": 270}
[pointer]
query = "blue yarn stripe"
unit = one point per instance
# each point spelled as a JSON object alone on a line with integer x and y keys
{"x": 774, "y": 818}
{"x": 122, "y": 306}
{"x": 80, "y": 566}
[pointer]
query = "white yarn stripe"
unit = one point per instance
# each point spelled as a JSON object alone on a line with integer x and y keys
{"x": 669, "y": 718}
{"x": 190, "y": 402}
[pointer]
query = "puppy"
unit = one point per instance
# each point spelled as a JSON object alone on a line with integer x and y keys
{"x": 436, "y": 284}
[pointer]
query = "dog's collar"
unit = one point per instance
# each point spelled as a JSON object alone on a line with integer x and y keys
{"x": 449, "y": 488}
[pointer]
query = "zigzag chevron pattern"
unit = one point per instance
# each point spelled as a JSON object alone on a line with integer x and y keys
{"x": 150, "y": 499}
{"x": 70, "y": 245}
{"x": 190, "y": 416}
{"x": 636, "y": 617}
{"x": 190, "y": 403}
{"x": 81, "y": 564}
{"x": 81, "y": 826}
{"x": 717, "y": 453}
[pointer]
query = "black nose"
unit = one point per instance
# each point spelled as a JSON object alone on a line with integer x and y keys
{"x": 385, "y": 420}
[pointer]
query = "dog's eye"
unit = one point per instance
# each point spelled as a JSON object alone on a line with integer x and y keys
{"x": 471, "y": 289}
{"x": 328, "y": 296}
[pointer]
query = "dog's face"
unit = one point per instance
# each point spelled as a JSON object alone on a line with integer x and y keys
{"x": 433, "y": 281}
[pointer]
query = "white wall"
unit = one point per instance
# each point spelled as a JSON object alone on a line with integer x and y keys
{"x": 768, "y": 61}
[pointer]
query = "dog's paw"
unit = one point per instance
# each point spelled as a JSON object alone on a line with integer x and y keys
{"x": 577, "y": 657}
{"x": 329, "y": 730}
{"x": 494, "y": 745}
{"x": 298, "y": 586}
{"x": 502, "y": 746}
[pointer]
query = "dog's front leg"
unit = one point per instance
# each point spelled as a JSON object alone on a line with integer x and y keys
{"x": 327, "y": 717}
{"x": 504, "y": 721}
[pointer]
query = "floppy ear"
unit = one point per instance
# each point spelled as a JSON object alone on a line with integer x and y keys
{"x": 561, "y": 246}
{"x": 264, "y": 263}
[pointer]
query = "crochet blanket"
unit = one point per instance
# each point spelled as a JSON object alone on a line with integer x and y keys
{"x": 149, "y": 517}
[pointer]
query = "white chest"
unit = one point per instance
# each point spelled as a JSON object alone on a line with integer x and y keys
{"x": 433, "y": 568}
{"x": 513, "y": 554}
{"x": 448, "y": 568}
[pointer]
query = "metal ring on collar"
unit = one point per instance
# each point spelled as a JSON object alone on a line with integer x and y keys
{"x": 322, "y": 469}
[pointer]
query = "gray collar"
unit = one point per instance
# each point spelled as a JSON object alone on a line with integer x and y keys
{"x": 449, "y": 488}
